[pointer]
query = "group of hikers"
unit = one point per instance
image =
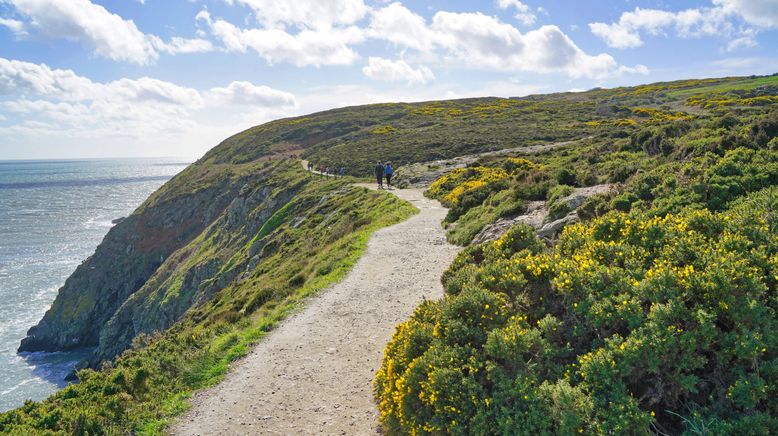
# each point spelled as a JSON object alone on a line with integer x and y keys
{"x": 382, "y": 170}
{"x": 327, "y": 170}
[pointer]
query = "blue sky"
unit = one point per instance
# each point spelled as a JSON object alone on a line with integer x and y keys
{"x": 97, "y": 78}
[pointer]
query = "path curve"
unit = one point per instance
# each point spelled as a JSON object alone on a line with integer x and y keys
{"x": 313, "y": 374}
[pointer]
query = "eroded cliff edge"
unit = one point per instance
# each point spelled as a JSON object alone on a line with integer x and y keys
{"x": 149, "y": 268}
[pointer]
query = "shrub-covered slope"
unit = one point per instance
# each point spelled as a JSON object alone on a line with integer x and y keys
{"x": 419, "y": 132}
{"x": 655, "y": 309}
{"x": 630, "y": 324}
{"x": 152, "y": 266}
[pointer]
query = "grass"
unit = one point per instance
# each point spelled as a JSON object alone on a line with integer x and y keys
{"x": 727, "y": 86}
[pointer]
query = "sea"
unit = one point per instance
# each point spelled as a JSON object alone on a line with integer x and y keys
{"x": 53, "y": 214}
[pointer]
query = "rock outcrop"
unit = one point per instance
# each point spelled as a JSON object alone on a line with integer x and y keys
{"x": 537, "y": 216}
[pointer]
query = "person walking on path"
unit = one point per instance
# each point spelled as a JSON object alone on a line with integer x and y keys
{"x": 342, "y": 171}
{"x": 388, "y": 172}
{"x": 379, "y": 174}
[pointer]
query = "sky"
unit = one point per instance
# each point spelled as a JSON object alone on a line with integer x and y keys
{"x": 142, "y": 78}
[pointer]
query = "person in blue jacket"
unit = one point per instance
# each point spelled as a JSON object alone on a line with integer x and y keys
{"x": 388, "y": 172}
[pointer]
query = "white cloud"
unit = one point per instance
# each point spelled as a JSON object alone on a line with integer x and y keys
{"x": 691, "y": 23}
{"x": 523, "y": 12}
{"x": 399, "y": 25}
{"x": 15, "y": 26}
{"x": 314, "y": 14}
{"x": 246, "y": 93}
{"x": 471, "y": 40}
{"x": 43, "y": 102}
{"x": 181, "y": 45}
{"x": 107, "y": 34}
{"x": 92, "y": 25}
{"x": 747, "y": 39}
{"x": 481, "y": 41}
{"x": 329, "y": 46}
{"x": 762, "y": 13}
{"x": 28, "y": 79}
{"x": 396, "y": 71}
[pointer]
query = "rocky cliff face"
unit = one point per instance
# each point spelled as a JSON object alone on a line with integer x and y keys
{"x": 152, "y": 266}
{"x": 194, "y": 273}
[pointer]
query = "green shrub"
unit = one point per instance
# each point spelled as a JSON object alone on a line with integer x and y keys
{"x": 630, "y": 323}
{"x": 566, "y": 177}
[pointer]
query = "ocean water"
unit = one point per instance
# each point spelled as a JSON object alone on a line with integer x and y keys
{"x": 53, "y": 214}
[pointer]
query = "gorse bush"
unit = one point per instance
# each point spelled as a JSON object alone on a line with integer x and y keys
{"x": 630, "y": 324}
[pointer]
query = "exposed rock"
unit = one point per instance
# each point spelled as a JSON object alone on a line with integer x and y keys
{"x": 493, "y": 231}
{"x": 577, "y": 198}
{"x": 536, "y": 216}
{"x": 550, "y": 230}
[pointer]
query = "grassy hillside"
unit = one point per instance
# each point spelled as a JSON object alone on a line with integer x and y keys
{"x": 417, "y": 132}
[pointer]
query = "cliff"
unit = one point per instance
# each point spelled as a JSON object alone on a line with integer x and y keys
{"x": 125, "y": 287}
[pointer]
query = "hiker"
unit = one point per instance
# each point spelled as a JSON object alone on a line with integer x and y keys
{"x": 321, "y": 170}
{"x": 379, "y": 174}
{"x": 342, "y": 171}
{"x": 389, "y": 172}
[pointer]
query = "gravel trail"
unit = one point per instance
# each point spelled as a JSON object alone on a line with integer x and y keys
{"x": 313, "y": 374}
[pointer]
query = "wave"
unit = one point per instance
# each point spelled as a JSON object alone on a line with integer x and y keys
{"x": 18, "y": 385}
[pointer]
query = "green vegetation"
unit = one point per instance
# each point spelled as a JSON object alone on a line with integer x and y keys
{"x": 631, "y": 323}
{"x": 655, "y": 314}
{"x": 308, "y": 244}
{"x": 658, "y": 167}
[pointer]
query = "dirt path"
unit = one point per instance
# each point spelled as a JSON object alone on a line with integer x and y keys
{"x": 313, "y": 374}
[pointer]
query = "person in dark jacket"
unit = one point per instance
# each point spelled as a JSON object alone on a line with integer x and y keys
{"x": 379, "y": 174}
{"x": 388, "y": 172}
